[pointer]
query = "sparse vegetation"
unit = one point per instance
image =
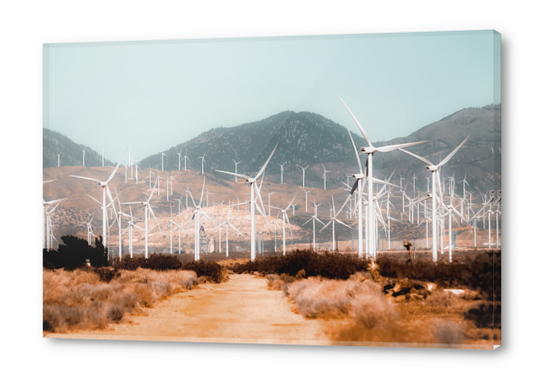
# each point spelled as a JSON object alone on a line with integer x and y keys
{"x": 89, "y": 299}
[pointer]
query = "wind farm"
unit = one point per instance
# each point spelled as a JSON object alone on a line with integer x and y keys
{"x": 318, "y": 224}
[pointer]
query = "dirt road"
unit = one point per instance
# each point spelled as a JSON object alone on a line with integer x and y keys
{"x": 242, "y": 310}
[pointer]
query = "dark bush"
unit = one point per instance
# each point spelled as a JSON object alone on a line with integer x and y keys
{"x": 74, "y": 252}
{"x": 107, "y": 274}
{"x": 485, "y": 316}
{"x": 211, "y": 270}
{"x": 478, "y": 272}
{"x": 327, "y": 265}
{"x": 163, "y": 262}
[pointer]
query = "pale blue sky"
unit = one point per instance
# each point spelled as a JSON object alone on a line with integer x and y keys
{"x": 150, "y": 96}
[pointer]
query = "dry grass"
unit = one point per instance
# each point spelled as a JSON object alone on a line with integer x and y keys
{"x": 358, "y": 309}
{"x": 79, "y": 300}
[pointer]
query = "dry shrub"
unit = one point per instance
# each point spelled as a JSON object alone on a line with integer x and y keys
{"x": 79, "y": 300}
{"x": 316, "y": 297}
{"x": 274, "y": 282}
{"x": 370, "y": 307}
{"x": 441, "y": 302}
{"x": 448, "y": 332}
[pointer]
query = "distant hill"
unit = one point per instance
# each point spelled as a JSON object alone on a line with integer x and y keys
{"x": 309, "y": 139}
{"x": 71, "y": 153}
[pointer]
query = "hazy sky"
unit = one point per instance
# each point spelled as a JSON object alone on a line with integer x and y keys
{"x": 150, "y": 96}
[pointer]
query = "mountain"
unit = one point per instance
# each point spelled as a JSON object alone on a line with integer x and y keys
{"x": 309, "y": 139}
{"x": 71, "y": 153}
{"x": 303, "y": 139}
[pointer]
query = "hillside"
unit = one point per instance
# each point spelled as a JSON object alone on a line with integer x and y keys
{"x": 71, "y": 153}
{"x": 308, "y": 139}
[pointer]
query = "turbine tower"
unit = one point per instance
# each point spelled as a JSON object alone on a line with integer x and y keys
{"x": 434, "y": 169}
{"x": 303, "y": 168}
{"x": 370, "y": 150}
{"x": 282, "y": 172}
{"x": 236, "y": 163}
{"x": 254, "y": 196}
{"x": 148, "y": 209}
{"x": 105, "y": 192}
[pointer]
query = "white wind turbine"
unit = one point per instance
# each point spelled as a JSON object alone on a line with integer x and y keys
{"x": 333, "y": 220}
{"x": 314, "y": 218}
{"x": 254, "y": 196}
{"x": 436, "y": 184}
{"x": 227, "y": 224}
{"x": 197, "y": 210}
{"x": 303, "y": 168}
{"x": 284, "y": 220}
{"x": 83, "y": 158}
{"x": 202, "y": 164}
{"x": 185, "y": 159}
{"x": 370, "y": 150}
{"x": 325, "y": 177}
{"x": 282, "y": 172}
{"x": 131, "y": 225}
{"x": 58, "y": 160}
{"x": 306, "y": 199}
{"x": 48, "y": 224}
{"x": 103, "y": 157}
{"x": 105, "y": 192}
{"x": 236, "y": 163}
{"x": 361, "y": 176}
{"x": 148, "y": 209}
{"x": 163, "y": 155}
{"x": 179, "y": 154}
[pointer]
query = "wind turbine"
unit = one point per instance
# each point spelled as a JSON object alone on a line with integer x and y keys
{"x": 314, "y": 218}
{"x": 370, "y": 151}
{"x": 197, "y": 210}
{"x": 284, "y": 219}
{"x": 105, "y": 191}
{"x": 282, "y": 172}
{"x": 202, "y": 164}
{"x": 306, "y": 199}
{"x": 334, "y": 219}
{"x": 83, "y": 158}
{"x": 48, "y": 224}
{"x": 58, "y": 160}
{"x": 179, "y": 154}
{"x": 148, "y": 209}
{"x": 162, "y": 156}
{"x": 185, "y": 158}
{"x": 254, "y": 190}
{"x": 435, "y": 183}
{"x": 303, "y": 168}
{"x": 103, "y": 157}
{"x": 325, "y": 171}
{"x": 236, "y": 163}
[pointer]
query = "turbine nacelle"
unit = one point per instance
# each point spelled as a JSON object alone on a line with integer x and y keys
{"x": 432, "y": 168}
{"x": 358, "y": 176}
{"x": 368, "y": 150}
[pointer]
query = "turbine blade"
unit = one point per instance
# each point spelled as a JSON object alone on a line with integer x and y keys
{"x": 363, "y": 132}
{"x": 355, "y": 151}
{"x": 265, "y": 165}
{"x": 385, "y": 149}
{"x": 417, "y": 156}
{"x": 155, "y": 219}
{"x": 453, "y": 152}
{"x": 82, "y": 177}
{"x": 340, "y": 222}
{"x": 234, "y": 174}
{"x": 116, "y": 168}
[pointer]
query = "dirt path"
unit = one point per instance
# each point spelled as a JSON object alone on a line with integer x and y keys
{"x": 242, "y": 310}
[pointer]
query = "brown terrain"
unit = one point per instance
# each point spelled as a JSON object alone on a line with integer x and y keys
{"x": 241, "y": 310}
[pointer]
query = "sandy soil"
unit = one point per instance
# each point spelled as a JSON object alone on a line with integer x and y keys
{"x": 241, "y": 310}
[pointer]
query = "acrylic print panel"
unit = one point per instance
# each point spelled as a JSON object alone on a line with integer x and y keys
{"x": 322, "y": 190}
